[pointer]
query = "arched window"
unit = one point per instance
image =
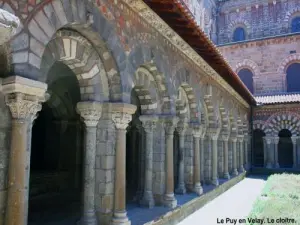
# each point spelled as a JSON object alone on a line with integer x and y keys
{"x": 293, "y": 78}
{"x": 296, "y": 25}
{"x": 239, "y": 34}
{"x": 247, "y": 77}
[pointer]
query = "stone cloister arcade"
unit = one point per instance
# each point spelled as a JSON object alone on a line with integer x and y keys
{"x": 90, "y": 121}
{"x": 276, "y": 141}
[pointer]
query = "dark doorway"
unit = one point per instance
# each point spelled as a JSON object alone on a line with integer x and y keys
{"x": 56, "y": 153}
{"x": 285, "y": 149}
{"x": 176, "y": 155}
{"x": 135, "y": 155}
{"x": 258, "y": 148}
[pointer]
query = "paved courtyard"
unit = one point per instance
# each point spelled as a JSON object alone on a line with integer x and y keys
{"x": 236, "y": 203}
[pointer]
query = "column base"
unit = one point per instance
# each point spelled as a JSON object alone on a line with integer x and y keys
{"x": 170, "y": 201}
{"x": 241, "y": 170}
{"x": 120, "y": 218}
{"x": 269, "y": 165}
{"x": 226, "y": 176}
{"x": 198, "y": 189}
{"x": 247, "y": 166}
{"x": 215, "y": 181}
{"x": 180, "y": 190}
{"x": 147, "y": 200}
{"x": 295, "y": 166}
{"x": 234, "y": 172}
{"x": 88, "y": 220}
{"x": 276, "y": 165}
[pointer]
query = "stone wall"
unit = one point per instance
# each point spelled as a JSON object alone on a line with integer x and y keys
{"x": 267, "y": 59}
{"x": 259, "y": 18}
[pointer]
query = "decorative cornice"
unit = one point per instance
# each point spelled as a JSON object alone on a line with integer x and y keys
{"x": 173, "y": 39}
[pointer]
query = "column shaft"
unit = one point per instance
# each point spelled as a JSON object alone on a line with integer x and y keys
{"x": 276, "y": 140}
{"x": 269, "y": 153}
{"x": 241, "y": 167}
{"x": 120, "y": 179}
{"x": 214, "y": 179}
{"x": 202, "y": 159}
{"x": 148, "y": 124}
{"x": 17, "y": 196}
{"x": 88, "y": 214}
{"x": 169, "y": 196}
{"x": 294, "y": 140}
{"x": 197, "y": 176}
{"x": 234, "y": 161}
{"x": 181, "y": 185}
{"x": 226, "y": 173}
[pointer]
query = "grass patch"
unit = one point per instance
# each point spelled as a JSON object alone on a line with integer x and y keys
{"x": 279, "y": 201}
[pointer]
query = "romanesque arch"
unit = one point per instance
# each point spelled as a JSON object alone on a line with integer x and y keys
{"x": 287, "y": 61}
{"x": 238, "y": 22}
{"x": 290, "y": 14}
{"x": 185, "y": 82}
{"x": 247, "y": 64}
{"x": 152, "y": 59}
{"x": 55, "y": 16}
{"x": 279, "y": 121}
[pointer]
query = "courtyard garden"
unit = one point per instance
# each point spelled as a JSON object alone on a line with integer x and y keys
{"x": 279, "y": 202}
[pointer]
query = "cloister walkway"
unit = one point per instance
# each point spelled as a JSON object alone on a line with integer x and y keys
{"x": 236, "y": 203}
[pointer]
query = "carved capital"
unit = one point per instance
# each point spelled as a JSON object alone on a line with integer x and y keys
{"x": 268, "y": 140}
{"x": 90, "y": 112}
{"x": 121, "y": 119}
{"x": 170, "y": 124}
{"x": 148, "y": 122}
{"x": 22, "y": 106}
{"x": 233, "y": 139}
{"x": 197, "y": 130}
{"x": 213, "y": 133}
{"x": 181, "y": 128}
{"x": 294, "y": 140}
{"x": 276, "y": 140}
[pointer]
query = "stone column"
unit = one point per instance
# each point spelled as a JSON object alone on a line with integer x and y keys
{"x": 91, "y": 113}
{"x": 169, "y": 199}
{"x": 182, "y": 126}
{"x": 121, "y": 116}
{"x": 294, "y": 140}
{"x": 213, "y": 136}
{"x": 197, "y": 176}
{"x": 23, "y": 97}
{"x": 202, "y": 158}
{"x": 241, "y": 149}
{"x": 149, "y": 123}
{"x": 268, "y": 141}
{"x": 234, "y": 161}
{"x": 246, "y": 151}
{"x": 276, "y": 140}
{"x": 225, "y": 145}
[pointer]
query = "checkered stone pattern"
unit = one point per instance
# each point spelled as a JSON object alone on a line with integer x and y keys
{"x": 288, "y": 121}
